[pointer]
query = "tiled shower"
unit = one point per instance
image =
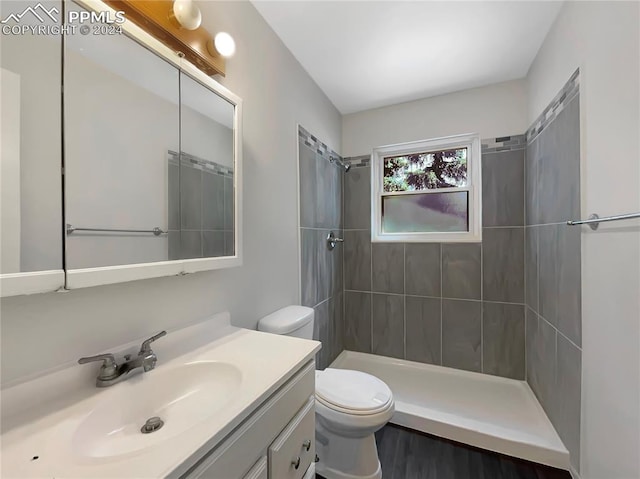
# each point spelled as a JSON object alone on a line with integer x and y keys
{"x": 508, "y": 306}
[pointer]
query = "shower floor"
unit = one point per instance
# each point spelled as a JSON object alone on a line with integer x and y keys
{"x": 488, "y": 412}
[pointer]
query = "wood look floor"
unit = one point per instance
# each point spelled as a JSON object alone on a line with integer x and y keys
{"x": 407, "y": 454}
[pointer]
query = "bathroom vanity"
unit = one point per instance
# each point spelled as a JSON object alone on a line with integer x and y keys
{"x": 234, "y": 404}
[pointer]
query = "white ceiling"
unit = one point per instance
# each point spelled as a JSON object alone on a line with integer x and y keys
{"x": 368, "y": 54}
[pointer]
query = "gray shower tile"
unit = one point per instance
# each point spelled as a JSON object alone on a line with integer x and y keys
{"x": 357, "y": 260}
{"x": 213, "y": 206}
{"x": 423, "y": 329}
{"x": 229, "y": 208}
{"x": 190, "y": 198}
{"x": 316, "y": 265}
{"x": 531, "y": 174}
{"x": 560, "y": 278}
{"x": 531, "y": 267}
{"x": 308, "y": 186}
{"x": 503, "y": 340}
{"x": 422, "y": 269}
{"x": 336, "y": 329}
{"x": 357, "y": 198}
{"x": 388, "y": 267}
{"x": 461, "y": 270}
{"x": 336, "y": 262}
{"x": 174, "y": 245}
{"x": 229, "y": 243}
{"x": 559, "y": 166}
{"x": 568, "y": 396}
{"x": 503, "y": 264}
{"x": 173, "y": 196}
{"x": 541, "y": 359}
{"x": 388, "y": 325}
{"x": 321, "y": 328}
{"x": 212, "y": 244}
{"x": 357, "y": 321}
{"x": 503, "y": 188}
{"x": 461, "y": 334}
{"x": 191, "y": 244}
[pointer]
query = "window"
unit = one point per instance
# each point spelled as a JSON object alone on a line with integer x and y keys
{"x": 427, "y": 191}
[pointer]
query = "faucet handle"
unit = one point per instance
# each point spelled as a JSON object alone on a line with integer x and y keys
{"x": 146, "y": 345}
{"x": 109, "y": 367}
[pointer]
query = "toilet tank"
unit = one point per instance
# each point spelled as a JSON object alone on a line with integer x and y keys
{"x": 294, "y": 321}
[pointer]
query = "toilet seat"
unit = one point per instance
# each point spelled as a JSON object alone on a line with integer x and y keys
{"x": 352, "y": 392}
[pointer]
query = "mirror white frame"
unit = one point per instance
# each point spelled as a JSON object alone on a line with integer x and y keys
{"x": 83, "y": 278}
{"x": 14, "y": 284}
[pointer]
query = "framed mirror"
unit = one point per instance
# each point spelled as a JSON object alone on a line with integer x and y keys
{"x": 31, "y": 154}
{"x": 152, "y": 161}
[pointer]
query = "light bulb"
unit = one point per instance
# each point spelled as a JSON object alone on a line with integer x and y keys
{"x": 224, "y": 43}
{"x": 187, "y": 14}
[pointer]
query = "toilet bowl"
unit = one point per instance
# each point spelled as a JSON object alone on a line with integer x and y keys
{"x": 350, "y": 407}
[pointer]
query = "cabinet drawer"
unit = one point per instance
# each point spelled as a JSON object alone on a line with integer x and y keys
{"x": 259, "y": 470}
{"x": 294, "y": 449}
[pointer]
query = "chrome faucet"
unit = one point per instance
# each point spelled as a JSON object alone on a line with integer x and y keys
{"x": 111, "y": 373}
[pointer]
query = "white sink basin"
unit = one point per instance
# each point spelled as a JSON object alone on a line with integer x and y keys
{"x": 182, "y": 397}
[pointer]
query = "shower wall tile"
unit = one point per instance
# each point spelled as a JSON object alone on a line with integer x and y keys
{"x": 541, "y": 360}
{"x": 321, "y": 327}
{"x": 229, "y": 205}
{"x": 308, "y": 187}
{"x": 336, "y": 326}
{"x": 559, "y": 167}
{"x": 191, "y": 244}
{"x": 503, "y": 188}
{"x": 503, "y": 340}
{"x": 461, "y": 270}
{"x": 503, "y": 264}
{"x": 531, "y": 267}
{"x": 357, "y": 260}
{"x": 568, "y": 396}
{"x": 212, "y": 243}
{"x": 388, "y": 267}
{"x": 213, "y": 202}
{"x": 357, "y": 321}
{"x": 461, "y": 334}
{"x": 357, "y": 198}
{"x": 423, "y": 328}
{"x": 388, "y": 325}
{"x": 190, "y": 198}
{"x": 423, "y": 272}
{"x": 531, "y": 173}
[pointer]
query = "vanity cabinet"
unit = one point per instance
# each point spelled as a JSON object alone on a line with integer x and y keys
{"x": 277, "y": 441}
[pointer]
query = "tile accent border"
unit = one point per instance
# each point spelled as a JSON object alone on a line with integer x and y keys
{"x": 504, "y": 143}
{"x": 358, "y": 161}
{"x": 312, "y": 142}
{"x": 562, "y": 99}
{"x": 200, "y": 164}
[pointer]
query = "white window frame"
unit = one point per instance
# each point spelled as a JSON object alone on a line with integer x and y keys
{"x": 474, "y": 187}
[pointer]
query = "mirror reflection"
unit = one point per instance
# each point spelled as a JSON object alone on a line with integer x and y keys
{"x": 149, "y": 158}
{"x": 30, "y": 158}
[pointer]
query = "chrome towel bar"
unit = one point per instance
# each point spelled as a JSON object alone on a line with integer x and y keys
{"x": 594, "y": 220}
{"x": 156, "y": 231}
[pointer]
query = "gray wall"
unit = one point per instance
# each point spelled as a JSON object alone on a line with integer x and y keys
{"x": 553, "y": 272}
{"x": 321, "y": 283}
{"x": 456, "y": 305}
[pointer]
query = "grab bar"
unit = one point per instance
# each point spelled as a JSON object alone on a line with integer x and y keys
{"x": 156, "y": 231}
{"x": 594, "y": 220}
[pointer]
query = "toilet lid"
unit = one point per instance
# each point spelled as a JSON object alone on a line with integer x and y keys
{"x": 352, "y": 392}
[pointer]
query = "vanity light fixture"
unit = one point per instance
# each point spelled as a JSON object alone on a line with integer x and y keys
{"x": 187, "y": 14}
{"x": 224, "y": 44}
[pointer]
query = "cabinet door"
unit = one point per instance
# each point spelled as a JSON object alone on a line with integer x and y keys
{"x": 259, "y": 470}
{"x": 294, "y": 449}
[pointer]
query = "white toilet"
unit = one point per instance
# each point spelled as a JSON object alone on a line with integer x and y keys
{"x": 350, "y": 407}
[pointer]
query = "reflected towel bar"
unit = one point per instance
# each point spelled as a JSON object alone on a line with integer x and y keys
{"x": 594, "y": 220}
{"x": 156, "y": 231}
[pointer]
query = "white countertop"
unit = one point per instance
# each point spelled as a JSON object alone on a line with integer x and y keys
{"x": 46, "y": 429}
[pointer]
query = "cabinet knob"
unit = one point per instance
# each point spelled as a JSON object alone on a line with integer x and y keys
{"x": 296, "y": 463}
{"x": 307, "y": 445}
